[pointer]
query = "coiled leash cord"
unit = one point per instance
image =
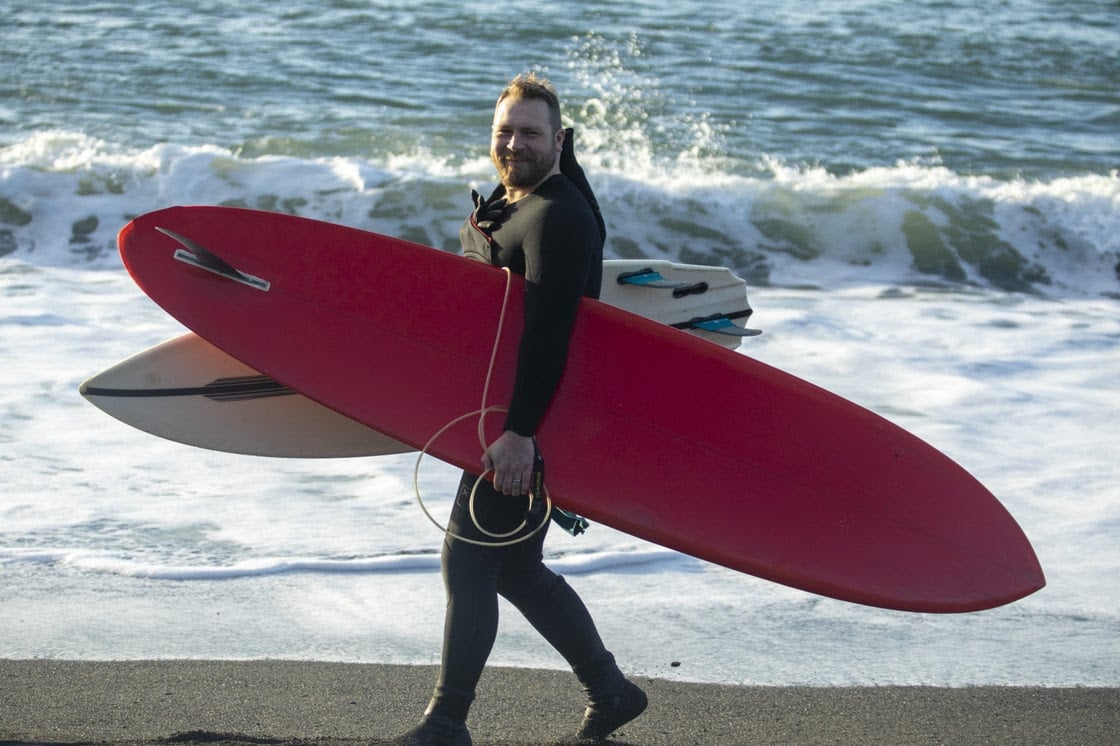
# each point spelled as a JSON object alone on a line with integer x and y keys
{"x": 537, "y": 488}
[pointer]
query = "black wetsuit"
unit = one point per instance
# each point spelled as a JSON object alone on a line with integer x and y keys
{"x": 554, "y": 237}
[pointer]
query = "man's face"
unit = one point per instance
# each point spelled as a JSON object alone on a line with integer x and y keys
{"x": 522, "y": 145}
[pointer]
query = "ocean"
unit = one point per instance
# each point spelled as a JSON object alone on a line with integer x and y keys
{"x": 924, "y": 198}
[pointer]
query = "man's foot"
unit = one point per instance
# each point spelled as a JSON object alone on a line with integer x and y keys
{"x": 604, "y": 717}
{"x": 435, "y": 731}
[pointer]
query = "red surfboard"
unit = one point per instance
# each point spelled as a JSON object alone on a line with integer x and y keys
{"x": 652, "y": 431}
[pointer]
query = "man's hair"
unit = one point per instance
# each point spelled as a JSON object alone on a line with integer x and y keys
{"x": 529, "y": 86}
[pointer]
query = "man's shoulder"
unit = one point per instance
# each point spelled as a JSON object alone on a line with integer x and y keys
{"x": 558, "y": 186}
{"x": 559, "y": 198}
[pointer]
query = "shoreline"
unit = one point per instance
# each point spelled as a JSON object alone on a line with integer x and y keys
{"x": 298, "y": 702}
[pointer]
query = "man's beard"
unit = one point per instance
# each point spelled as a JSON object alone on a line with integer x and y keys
{"x": 523, "y": 172}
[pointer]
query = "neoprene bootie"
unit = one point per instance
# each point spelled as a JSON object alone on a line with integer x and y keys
{"x": 435, "y": 731}
{"x": 609, "y": 712}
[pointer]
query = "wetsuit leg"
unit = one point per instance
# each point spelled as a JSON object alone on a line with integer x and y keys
{"x": 558, "y": 613}
{"x": 475, "y": 575}
{"x": 470, "y": 575}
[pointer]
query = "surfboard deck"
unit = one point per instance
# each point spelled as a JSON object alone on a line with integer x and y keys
{"x": 189, "y": 391}
{"x": 656, "y": 433}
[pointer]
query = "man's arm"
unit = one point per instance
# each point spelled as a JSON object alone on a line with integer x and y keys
{"x": 558, "y": 253}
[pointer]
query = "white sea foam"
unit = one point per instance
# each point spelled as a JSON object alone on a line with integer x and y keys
{"x": 65, "y": 195}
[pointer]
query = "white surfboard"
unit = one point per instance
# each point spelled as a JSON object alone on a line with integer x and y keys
{"x": 189, "y": 391}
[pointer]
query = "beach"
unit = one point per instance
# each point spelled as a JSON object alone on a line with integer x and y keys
{"x": 325, "y": 703}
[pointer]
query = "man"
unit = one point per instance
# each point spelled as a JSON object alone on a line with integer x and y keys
{"x": 541, "y": 222}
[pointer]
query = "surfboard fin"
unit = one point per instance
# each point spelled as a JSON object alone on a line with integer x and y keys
{"x": 651, "y": 278}
{"x": 572, "y": 523}
{"x": 244, "y": 388}
{"x": 720, "y": 323}
{"x": 237, "y": 388}
{"x": 199, "y": 256}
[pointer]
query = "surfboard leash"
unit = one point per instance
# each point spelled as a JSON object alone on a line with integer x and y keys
{"x": 538, "y": 490}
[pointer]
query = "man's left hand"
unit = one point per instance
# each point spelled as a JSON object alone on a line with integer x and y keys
{"x": 511, "y": 457}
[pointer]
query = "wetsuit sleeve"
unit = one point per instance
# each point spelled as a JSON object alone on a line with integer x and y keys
{"x": 558, "y": 253}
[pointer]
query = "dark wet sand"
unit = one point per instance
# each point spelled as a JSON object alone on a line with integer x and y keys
{"x": 266, "y": 702}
